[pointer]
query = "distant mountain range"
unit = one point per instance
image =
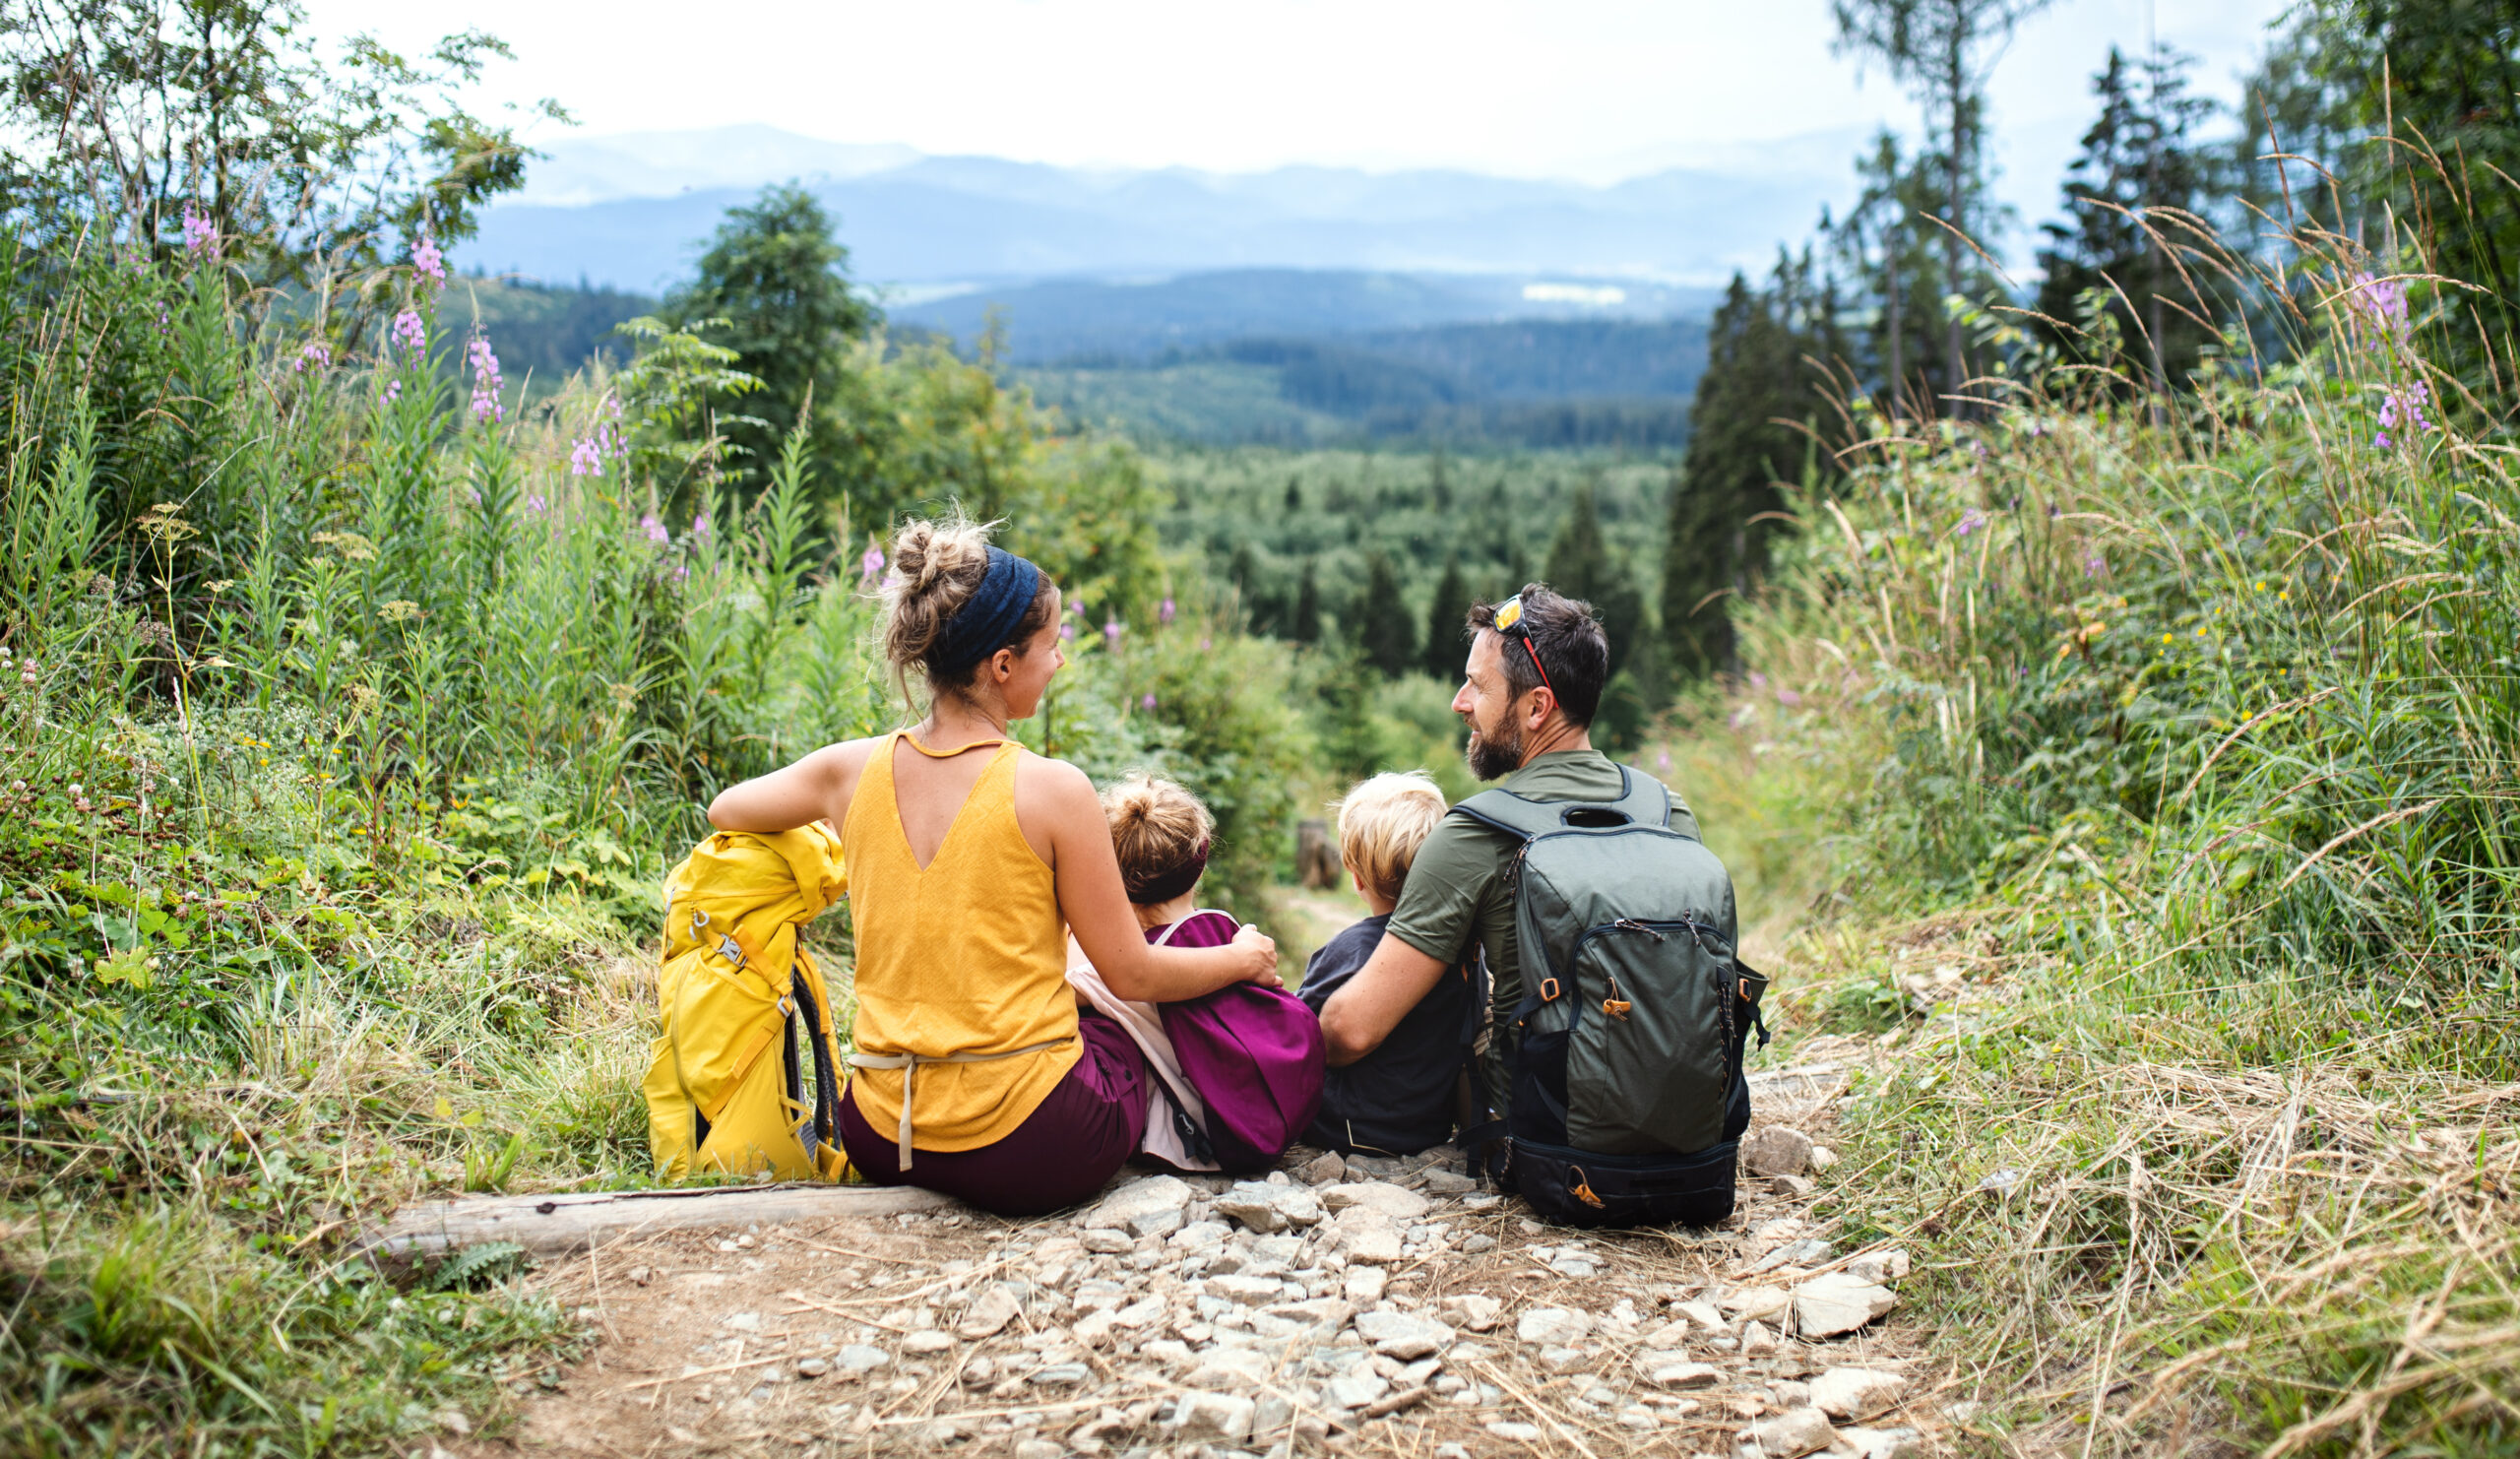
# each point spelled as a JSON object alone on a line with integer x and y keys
{"x": 631, "y": 212}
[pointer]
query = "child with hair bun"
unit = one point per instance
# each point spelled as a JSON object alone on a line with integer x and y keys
{"x": 1163, "y": 836}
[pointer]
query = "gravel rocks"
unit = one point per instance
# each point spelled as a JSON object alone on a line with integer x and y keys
{"x": 1776, "y": 1150}
{"x": 1553, "y": 1325}
{"x": 1679, "y": 1377}
{"x": 1139, "y": 1201}
{"x": 1790, "y": 1434}
{"x": 1856, "y": 1392}
{"x": 1397, "y": 1203}
{"x": 989, "y": 1314}
{"x": 1472, "y": 1311}
{"x": 1757, "y": 1303}
{"x": 1514, "y": 1432}
{"x": 1838, "y": 1303}
{"x": 1265, "y": 1208}
{"x": 1403, "y": 1335}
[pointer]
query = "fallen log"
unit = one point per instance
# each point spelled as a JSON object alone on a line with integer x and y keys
{"x": 557, "y": 1225}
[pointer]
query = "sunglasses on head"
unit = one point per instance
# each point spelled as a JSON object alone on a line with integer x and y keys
{"x": 1508, "y": 620}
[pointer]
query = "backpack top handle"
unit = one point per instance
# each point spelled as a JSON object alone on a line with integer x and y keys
{"x": 1642, "y": 802}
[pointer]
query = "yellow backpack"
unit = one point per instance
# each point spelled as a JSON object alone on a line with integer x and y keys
{"x": 735, "y": 981}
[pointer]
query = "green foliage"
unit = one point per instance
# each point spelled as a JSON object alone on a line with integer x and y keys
{"x": 773, "y": 289}
{"x": 2138, "y": 192}
{"x": 1386, "y": 630}
{"x": 1759, "y": 406}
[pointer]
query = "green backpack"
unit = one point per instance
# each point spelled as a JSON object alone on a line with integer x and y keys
{"x": 1627, "y": 1098}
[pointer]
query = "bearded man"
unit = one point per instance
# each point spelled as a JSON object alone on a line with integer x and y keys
{"x": 1538, "y": 663}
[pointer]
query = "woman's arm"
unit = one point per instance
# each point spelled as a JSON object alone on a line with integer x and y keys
{"x": 816, "y": 787}
{"x": 1096, "y": 907}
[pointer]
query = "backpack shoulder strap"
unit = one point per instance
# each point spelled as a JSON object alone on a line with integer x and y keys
{"x": 1167, "y": 935}
{"x": 1642, "y": 802}
{"x": 1504, "y": 810}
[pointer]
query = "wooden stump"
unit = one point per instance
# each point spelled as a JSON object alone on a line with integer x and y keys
{"x": 1316, "y": 857}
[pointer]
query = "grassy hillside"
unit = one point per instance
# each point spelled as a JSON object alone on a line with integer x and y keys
{"x": 2145, "y": 783}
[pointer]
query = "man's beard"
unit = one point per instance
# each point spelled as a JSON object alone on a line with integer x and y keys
{"x": 1495, "y": 757}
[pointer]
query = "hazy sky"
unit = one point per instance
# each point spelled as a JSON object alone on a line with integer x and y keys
{"x": 1582, "y": 89}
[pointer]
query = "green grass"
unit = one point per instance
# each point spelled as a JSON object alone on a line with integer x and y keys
{"x": 2178, "y": 748}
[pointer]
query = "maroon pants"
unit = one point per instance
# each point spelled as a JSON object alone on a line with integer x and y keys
{"x": 1076, "y": 1139}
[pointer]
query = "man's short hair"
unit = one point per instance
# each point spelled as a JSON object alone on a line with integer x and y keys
{"x": 1382, "y": 824}
{"x": 1571, "y": 646}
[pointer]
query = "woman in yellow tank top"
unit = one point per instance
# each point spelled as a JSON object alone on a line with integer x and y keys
{"x": 970, "y": 860}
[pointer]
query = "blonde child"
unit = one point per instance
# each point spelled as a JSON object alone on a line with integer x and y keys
{"x": 1403, "y": 1097}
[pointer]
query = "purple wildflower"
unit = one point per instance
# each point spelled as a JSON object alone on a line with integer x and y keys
{"x": 409, "y": 330}
{"x": 536, "y": 505}
{"x": 655, "y": 530}
{"x": 1067, "y": 633}
{"x": 586, "y": 459}
{"x": 2092, "y": 564}
{"x": 870, "y": 564}
{"x": 427, "y": 262}
{"x": 1111, "y": 632}
{"x": 2403, "y": 408}
{"x": 700, "y": 527}
{"x": 1663, "y": 760}
{"x": 393, "y": 391}
{"x": 1970, "y": 521}
{"x": 201, "y": 235}
{"x": 1163, "y": 611}
{"x": 486, "y": 383}
{"x": 2380, "y": 303}
{"x": 1148, "y": 703}
{"x": 1786, "y": 697}
{"x": 314, "y": 354}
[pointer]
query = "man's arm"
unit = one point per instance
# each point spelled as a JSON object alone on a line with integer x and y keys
{"x": 1364, "y": 1011}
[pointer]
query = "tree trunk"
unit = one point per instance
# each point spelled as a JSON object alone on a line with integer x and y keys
{"x": 1956, "y": 82}
{"x": 548, "y": 1225}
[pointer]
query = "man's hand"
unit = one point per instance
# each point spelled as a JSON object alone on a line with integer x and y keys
{"x": 1370, "y": 1006}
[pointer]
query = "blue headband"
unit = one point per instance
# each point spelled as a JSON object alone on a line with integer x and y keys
{"x": 987, "y": 621}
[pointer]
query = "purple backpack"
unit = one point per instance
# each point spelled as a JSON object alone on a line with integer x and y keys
{"x": 1252, "y": 1053}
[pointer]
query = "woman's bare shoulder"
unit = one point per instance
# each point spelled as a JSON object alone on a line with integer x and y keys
{"x": 1051, "y": 774}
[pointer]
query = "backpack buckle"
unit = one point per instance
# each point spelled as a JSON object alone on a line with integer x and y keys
{"x": 1617, "y": 1007}
{"x": 1549, "y": 990}
{"x": 731, "y": 951}
{"x": 1583, "y": 1189}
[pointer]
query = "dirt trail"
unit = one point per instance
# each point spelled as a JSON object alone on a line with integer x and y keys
{"x": 1398, "y": 1310}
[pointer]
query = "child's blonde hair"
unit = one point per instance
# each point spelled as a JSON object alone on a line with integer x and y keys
{"x": 1162, "y": 832}
{"x": 1382, "y": 824}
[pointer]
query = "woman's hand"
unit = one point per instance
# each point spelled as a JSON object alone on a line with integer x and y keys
{"x": 1262, "y": 950}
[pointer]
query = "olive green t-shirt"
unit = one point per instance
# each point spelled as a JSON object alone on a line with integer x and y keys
{"x": 1456, "y": 897}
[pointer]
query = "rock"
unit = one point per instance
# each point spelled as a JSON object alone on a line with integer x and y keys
{"x": 741, "y": 1321}
{"x": 1477, "y": 1243}
{"x": 1792, "y": 1188}
{"x": 1137, "y": 1199}
{"x": 1776, "y": 1150}
{"x": 1558, "y": 1359}
{"x": 1061, "y": 1375}
{"x": 642, "y": 1275}
{"x": 1822, "y": 1157}
{"x": 1758, "y": 1302}
{"x": 1221, "y": 1417}
{"x": 990, "y": 1312}
{"x": 1094, "y": 1329}
{"x": 1379, "y": 1245}
{"x": 1679, "y": 1377}
{"x": 1838, "y": 1302}
{"x": 1513, "y": 1432}
{"x": 1315, "y": 1311}
{"x": 928, "y": 1340}
{"x": 1109, "y": 1242}
{"x": 454, "y": 1422}
{"x": 1472, "y": 1311}
{"x": 812, "y": 1368}
{"x": 1354, "y": 1390}
{"x": 1755, "y": 1338}
{"x": 1449, "y": 1182}
{"x": 1670, "y": 1334}
{"x": 1578, "y": 1264}
{"x": 1790, "y": 1395}
{"x": 1229, "y": 1368}
{"x": 1790, "y": 1434}
{"x": 1245, "y": 1290}
{"x": 1401, "y": 1335}
{"x": 1393, "y": 1201}
{"x": 1451, "y": 1451}
{"x": 1254, "y": 1205}
{"x": 1880, "y": 1266}
{"x": 1883, "y": 1443}
{"x": 1703, "y": 1314}
{"x": 1139, "y": 1313}
{"x": 1157, "y": 1223}
{"x": 1856, "y": 1392}
{"x": 1323, "y": 1169}
{"x": 1558, "y": 1325}
{"x": 1364, "y": 1284}
{"x": 1269, "y": 1414}
{"x": 1040, "y": 1448}
{"x": 858, "y": 1359}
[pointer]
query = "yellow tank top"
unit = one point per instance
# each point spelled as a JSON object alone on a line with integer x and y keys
{"x": 967, "y": 958}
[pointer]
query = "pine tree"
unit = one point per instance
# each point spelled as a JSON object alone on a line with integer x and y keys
{"x": 1303, "y": 623}
{"x": 1888, "y": 248}
{"x": 1246, "y": 577}
{"x": 1385, "y": 635}
{"x": 776, "y": 274}
{"x": 1445, "y": 614}
{"x": 2128, "y": 196}
{"x": 1581, "y": 565}
{"x": 1760, "y": 379}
